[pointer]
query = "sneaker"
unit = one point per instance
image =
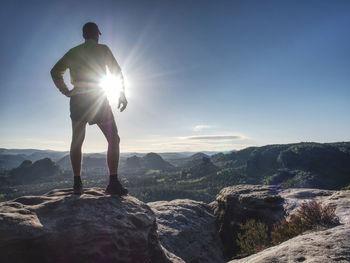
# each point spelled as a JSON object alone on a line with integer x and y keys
{"x": 115, "y": 187}
{"x": 78, "y": 186}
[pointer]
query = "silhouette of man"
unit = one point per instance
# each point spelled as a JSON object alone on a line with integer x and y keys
{"x": 88, "y": 104}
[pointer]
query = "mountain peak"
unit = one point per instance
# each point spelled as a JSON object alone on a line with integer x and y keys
{"x": 149, "y": 161}
{"x": 198, "y": 156}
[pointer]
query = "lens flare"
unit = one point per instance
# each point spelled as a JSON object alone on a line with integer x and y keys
{"x": 112, "y": 87}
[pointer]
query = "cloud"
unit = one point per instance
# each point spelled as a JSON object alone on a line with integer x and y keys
{"x": 201, "y": 127}
{"x": 213, "y": 137}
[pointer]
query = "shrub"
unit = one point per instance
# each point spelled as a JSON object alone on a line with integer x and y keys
{"x": 253, "y": 238}
{"x": 310, "y": 215}
{"x": 313, "y": 214}
{"x": 346, "y": 188}
{"x": 285, "y": 230}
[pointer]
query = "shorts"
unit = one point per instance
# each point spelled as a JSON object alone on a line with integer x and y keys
{"x": 91, "y": 107}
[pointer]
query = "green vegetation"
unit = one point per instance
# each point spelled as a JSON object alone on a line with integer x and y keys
{"x": 346, "y": 188}
{"x": 310, "y": 216}
{"x": 198, "y": 177}
{"x": 315, "y": 165}
{"x": 253, "y": 238}
{"x": 201, "y": 182}
{"x": 312, "y": 165}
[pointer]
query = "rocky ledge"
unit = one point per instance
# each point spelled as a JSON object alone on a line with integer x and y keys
{"x": 188, "y": 229}
{"x": 61, "y": 227}
{"x": 331, "y": 245}
{"x": 237, "y": 204}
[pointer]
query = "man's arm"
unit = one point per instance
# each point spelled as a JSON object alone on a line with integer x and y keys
{"x": 57, "y": 74}
{"x": 115, "y": 69}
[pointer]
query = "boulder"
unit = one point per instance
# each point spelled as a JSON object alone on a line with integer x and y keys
{"x": 187, "y": 228}
{"x": 235, "y": 205}
{"x": 61, "y": 227}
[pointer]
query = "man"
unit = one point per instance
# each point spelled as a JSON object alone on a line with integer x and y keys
{"x": 87, "y": 64}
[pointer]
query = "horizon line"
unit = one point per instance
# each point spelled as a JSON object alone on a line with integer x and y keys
{"x": 103, "y": 152}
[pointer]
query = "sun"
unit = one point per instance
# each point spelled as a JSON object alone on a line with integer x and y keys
{"x": 112, "y": 86}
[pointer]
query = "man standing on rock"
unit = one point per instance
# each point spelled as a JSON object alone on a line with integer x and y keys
{"x": 88, "y": 64}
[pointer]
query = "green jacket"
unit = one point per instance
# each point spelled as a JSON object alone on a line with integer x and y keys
{"x": 87, "y": 65}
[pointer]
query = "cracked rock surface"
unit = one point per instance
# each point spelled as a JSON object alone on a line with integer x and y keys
{"x": 187, "y": 228}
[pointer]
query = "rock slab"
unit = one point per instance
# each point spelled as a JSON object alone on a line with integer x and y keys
{"x": 61, "y": 227}
{"x": 188, "y": 229}
{"x": 331, "y": 245}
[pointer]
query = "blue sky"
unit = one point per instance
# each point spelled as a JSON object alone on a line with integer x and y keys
{"x": 202, "y": 75}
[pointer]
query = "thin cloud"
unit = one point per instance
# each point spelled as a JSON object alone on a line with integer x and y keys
{"x": 213, "y": 137}
{"x": 201, "y": 127}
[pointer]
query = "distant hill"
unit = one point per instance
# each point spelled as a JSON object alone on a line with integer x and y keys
{"x": 317, "y": 165}
{"x": 33, "y": 154}
{"x": 202, "y": 167}
{"x": 17, "y": 151}
{"x": 11, "y": 158}
{"x": 197, "y": 176}
{"x": 175, "y": 155}
{"x": 154, "y": 161}
{"x": 95, "y": 155}
{"x": 188, "y": 161}
{"x": 90, "y": 162}
{"x": 9, "y": 161}
{"x": 149, "y": 161}
{"x": 93, "y": 162}
{"x": 64, "y": 162}
{"x": 133, "y": 162}
{"x": 195, "y": 159}
{"x": 29, "y": 172}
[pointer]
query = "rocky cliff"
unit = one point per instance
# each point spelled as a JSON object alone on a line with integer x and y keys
{"x": 234, "y": 205}
{"x": 237, "y": 204}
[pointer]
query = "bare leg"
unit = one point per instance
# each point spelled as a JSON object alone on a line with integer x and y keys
{"x": 111, "y": 133}
{"x": 75, "y": 148}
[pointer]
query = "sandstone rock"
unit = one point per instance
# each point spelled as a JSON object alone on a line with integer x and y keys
{"x": 331, "y": 245}
{"x": 61, "y": 227}
{"x": 235, "y": 205}
{"x": 239, "y": 203}
{"x": 188, "y": 229}
{"x": 340, "y": 199}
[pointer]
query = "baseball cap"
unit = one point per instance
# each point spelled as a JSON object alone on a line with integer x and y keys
{"x": 90, "y": 28}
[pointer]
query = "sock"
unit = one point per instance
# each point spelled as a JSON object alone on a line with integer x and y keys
{"x": 113, "y": 178}
{"x": 77, "y": 179}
